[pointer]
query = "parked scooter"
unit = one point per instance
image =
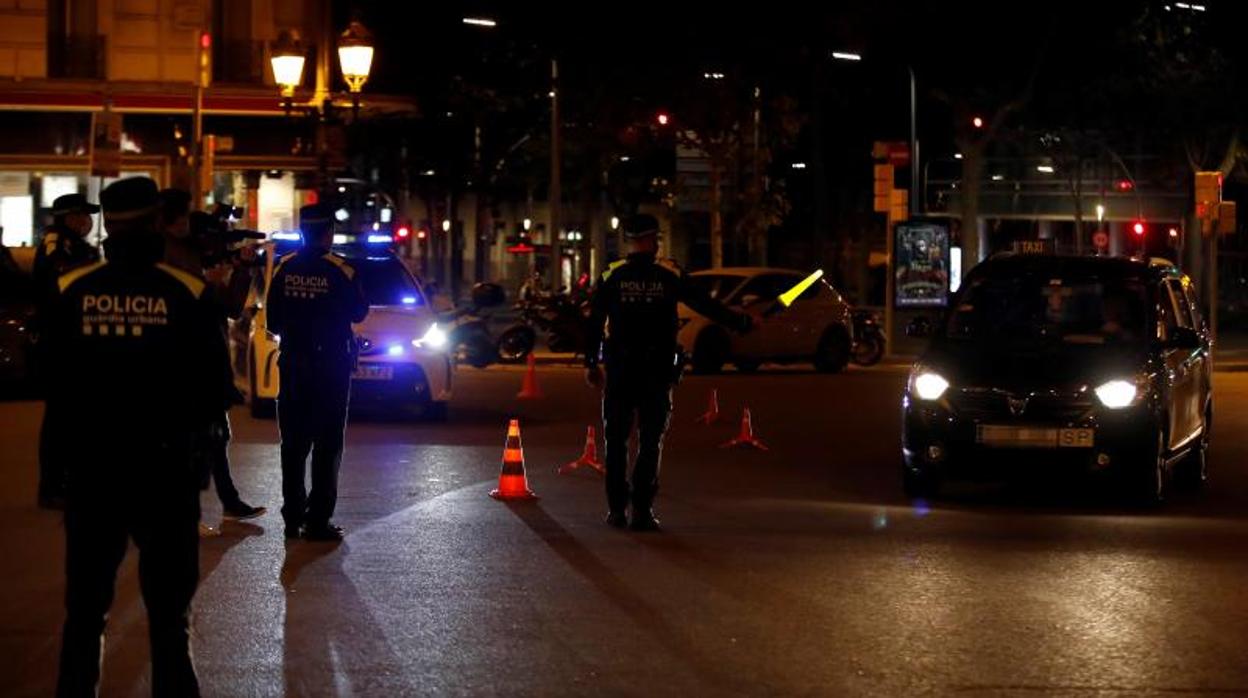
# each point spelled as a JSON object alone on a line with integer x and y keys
{"x": 469, "y": 329}
{"x": 559, "y": 316}
{"x": 868, "y": 346}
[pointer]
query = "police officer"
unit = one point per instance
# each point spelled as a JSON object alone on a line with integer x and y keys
{"x": 636, "y": 302}
{"x": 142, "y": 335}
{"x": 313, "y": 300}
{"x": 63, "y": 247}
{"x": 181, "y": 251}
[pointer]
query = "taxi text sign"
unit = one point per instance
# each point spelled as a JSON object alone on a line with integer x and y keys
{"x": 106, "y": 144}
{"x": 921, "y": 265}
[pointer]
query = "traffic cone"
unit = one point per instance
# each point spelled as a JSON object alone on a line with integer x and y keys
{"x": 513, "y": 484}
{"x": 589, "y": 457}
{"x": 712, "y": 409}
{"x": 529, "y": 389}
{"x": 746, "y": 438}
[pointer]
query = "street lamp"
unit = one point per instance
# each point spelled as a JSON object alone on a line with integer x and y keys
{"x": 355, "y": 57}
{"x": 287, "y": 60}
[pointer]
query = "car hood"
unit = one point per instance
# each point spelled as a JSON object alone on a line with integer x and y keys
{"x": 1019, "y": 369}
{"x": 394, "y": 323}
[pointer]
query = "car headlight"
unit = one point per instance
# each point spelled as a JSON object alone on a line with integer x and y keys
{"x": 435, "y": 338}
{"x": 1117, "y": 394}
{"x": 928, "y": 385}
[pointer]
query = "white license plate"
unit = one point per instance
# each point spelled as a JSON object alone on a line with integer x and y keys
{"x": 365, "y": 372}
{"x": 1034, "y": 437}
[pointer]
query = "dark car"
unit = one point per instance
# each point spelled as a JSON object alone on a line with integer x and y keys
{"x": 1099, "y": 364}
{"x": 17, "y": 311}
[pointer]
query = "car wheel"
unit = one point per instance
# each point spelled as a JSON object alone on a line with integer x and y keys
{"x": 1193, "y": 471}
{"x": 437, "y": 412}
{"x": 710, "y": 351}
{"x": 260, "y": 408}
{"x": 746, "y": 365}
{"x": 832, "y": 355}
{"x": 1148, "y": 477}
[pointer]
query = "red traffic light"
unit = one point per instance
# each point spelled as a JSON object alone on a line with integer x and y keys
{"x": 403, "y": 232}
{"x": 205, "y": 40}
{"x": 977, "y": 122}
{"x": 1174, "y": 232}
{"x": 421, "y": 234}
{"x": 1125, "y": 185}
{"x": 1138, "y": 228}
{"x": 662, "y": 118}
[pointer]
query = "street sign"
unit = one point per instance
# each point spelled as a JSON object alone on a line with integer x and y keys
{"x": 1208, "y": 188}
{"x": 106, "y": 143}
{"x": 1100, "y": 239}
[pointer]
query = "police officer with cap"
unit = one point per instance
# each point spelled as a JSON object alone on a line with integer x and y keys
{"x": 64, "y": 246}
{"x": 145, "y": 377}
{"x": 633, "y": 322}
{"x": 313, "y": 299}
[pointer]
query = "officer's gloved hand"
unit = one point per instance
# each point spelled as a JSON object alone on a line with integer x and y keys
{"x": 593, "y": 376}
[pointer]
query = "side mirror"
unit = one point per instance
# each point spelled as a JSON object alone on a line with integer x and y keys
{"x": 748, "y": 300}
{"x": 919, "y": 328}
{"x": 1183, "y": 338}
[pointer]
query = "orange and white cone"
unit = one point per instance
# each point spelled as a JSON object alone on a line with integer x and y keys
{"x": 746, "y": 438}
{"x": 712, "y": 409}
{"x": 589, "y": 457}
{"x": 529, "y": 389}
{"x": 513, "y": 484}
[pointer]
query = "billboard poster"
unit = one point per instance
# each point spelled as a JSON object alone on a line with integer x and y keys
{"x": 921, "y": 265}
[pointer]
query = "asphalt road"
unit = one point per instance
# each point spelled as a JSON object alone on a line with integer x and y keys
{"x": 797, "y": 571}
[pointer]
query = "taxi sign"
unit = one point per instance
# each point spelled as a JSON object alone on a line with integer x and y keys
{"x": 1033, "y": 247}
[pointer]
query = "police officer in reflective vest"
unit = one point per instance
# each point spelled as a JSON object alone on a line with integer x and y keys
{"x": 64, "y": 246}
{"x": 139, "y": 353}
{"x": 634, "y": 322}
{"x": 313, "y": 300}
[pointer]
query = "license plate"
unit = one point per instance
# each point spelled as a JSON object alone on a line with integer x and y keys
{"x": 1034, "y": 437}
{"x": 365, "y": 372}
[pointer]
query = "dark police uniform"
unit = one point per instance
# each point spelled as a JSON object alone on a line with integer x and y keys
{"x": 313, "y": 300}
{"x": 635, "y": 303}
{"x": 60, "y": 250}
{"x": 140, "y": 335}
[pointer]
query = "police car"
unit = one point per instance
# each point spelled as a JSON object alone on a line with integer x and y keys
{"x": 403, "y": 354}
{"x": 1098, "y": 364}
{"x": 817, "y": 327}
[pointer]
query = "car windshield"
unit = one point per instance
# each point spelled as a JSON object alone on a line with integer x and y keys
{"x": 717, "y": 286}
{"x": 1074, "y": 311}
{"x": 386, "y": 282}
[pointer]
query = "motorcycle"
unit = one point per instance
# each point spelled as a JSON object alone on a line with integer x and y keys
{"x": 468, "y": 328}
{"x": 868, "y": 346}
{"x": 560, "y": 317}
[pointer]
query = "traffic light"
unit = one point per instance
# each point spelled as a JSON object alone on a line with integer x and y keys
{"x": 1125, "y": 185}
{"x": 662, "y": 118}
{"x": 1138, "y": 228}
{"x": 205, "y": 59}
{"x": 977, "y": 122}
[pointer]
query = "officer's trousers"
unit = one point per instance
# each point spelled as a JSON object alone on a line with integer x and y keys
{"x": 312, "y": 417}
{"x": 146, "y": 493}
{"x": 641, "y": 395}
{"x": 212, "y": 459}
{"x": 53, "y": 460}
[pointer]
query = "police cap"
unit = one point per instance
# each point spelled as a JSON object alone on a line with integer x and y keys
{"x": 640, "y": 225}
{"x": 128, "y": 199}
{"x": 66, "y": 204}
{"x": 315, "y": 214}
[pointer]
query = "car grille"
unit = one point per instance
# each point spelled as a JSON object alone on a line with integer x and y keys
{"x": 984, "y": 405}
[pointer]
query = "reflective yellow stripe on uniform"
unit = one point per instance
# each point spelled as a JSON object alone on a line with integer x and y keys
{"x": 612, "y": 267}
{"x": 64, "y": 281}
{"x": 193, "y": 283}
{"x": 341, "y": 264}
{"x": 50, "y": 241}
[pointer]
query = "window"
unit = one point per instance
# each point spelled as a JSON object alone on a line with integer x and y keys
{"x": 1198, "y": 320}
{"x": 1182, "y": 307}
{"x": 768, "y": 286}
{"x": 1166, "y": 320}
{"x": 717, "y": 286}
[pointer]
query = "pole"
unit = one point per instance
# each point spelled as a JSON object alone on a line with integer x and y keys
{"x": 556, "y": 189}
{"x": 197, "y": 135}
{"x": 916, "y": 197}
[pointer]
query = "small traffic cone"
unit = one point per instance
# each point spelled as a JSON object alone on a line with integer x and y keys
{"x": 589, "y": 457}
{"x": 529, "y": 389}
{"x": 712, "y": 409}
{"x": 746, "y": 438}
{"x": 513, "y": 484}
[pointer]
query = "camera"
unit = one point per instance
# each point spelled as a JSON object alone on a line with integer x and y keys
{"x": 217, "y": 240}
